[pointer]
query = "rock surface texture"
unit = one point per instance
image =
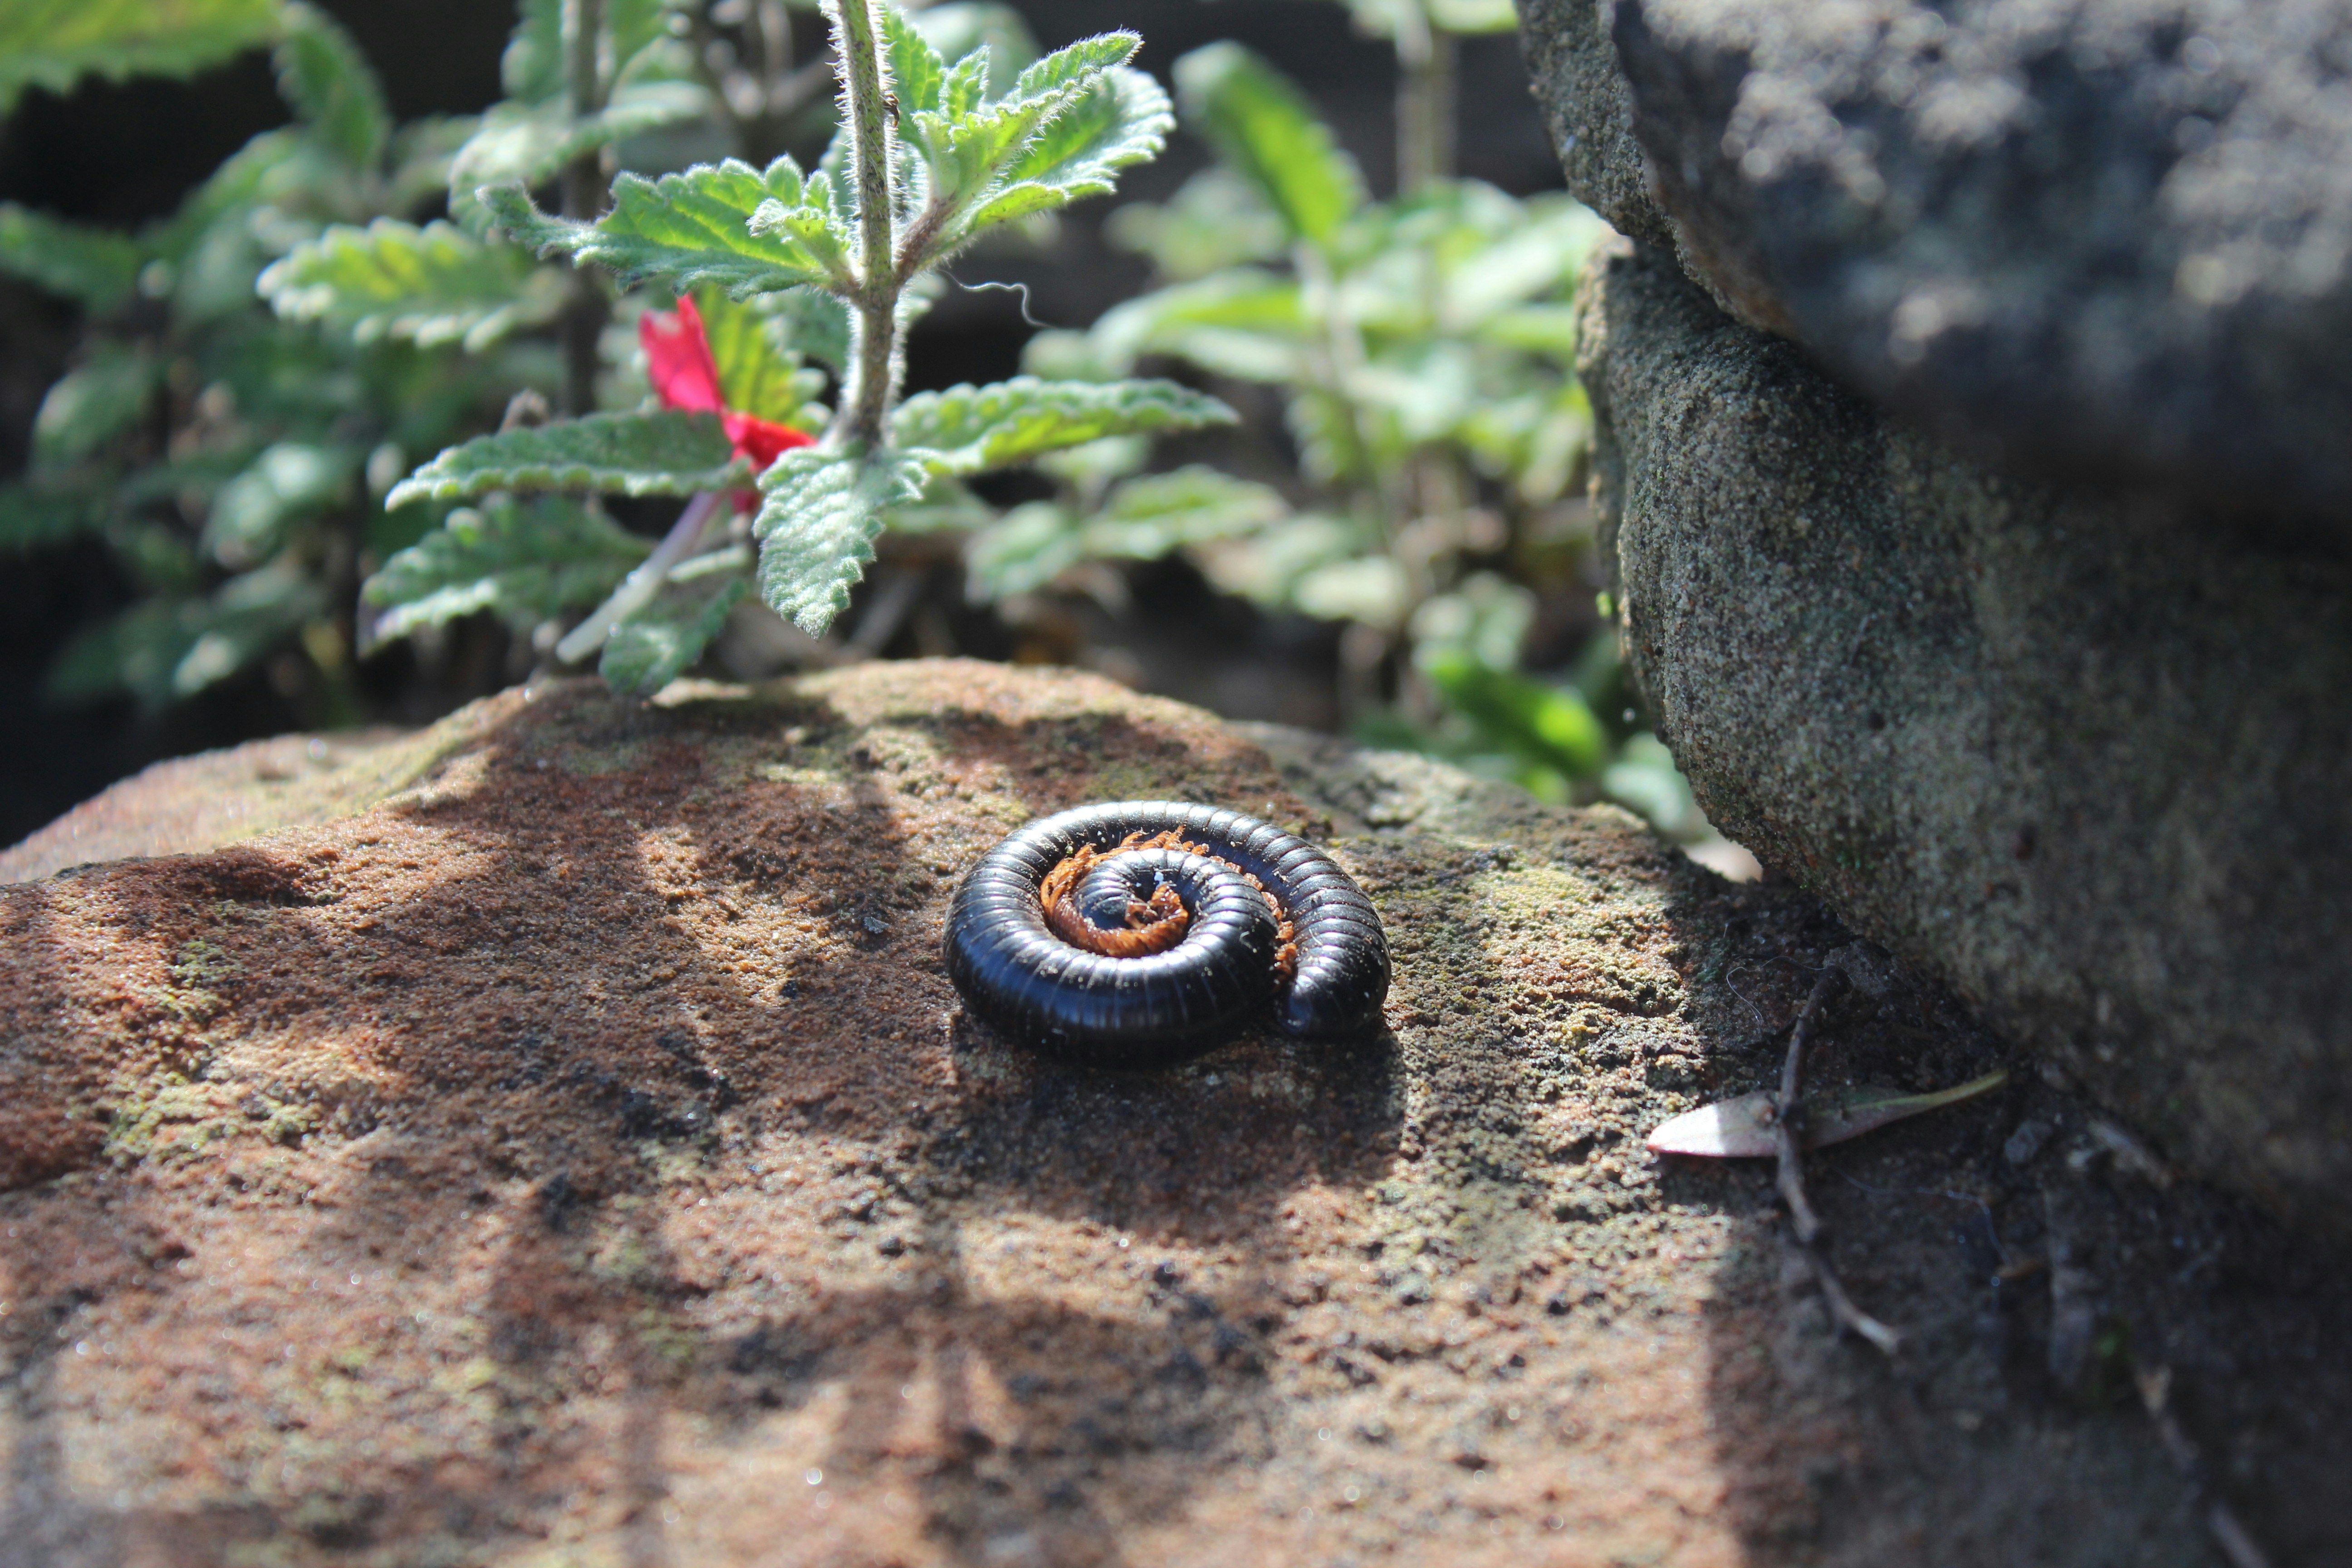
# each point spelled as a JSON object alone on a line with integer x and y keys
{"x": 2075, "y": 747}
{"x": 2107, "y": 241}
{"x": 2079, "y": 756}
{"x": 579, "y": 1158}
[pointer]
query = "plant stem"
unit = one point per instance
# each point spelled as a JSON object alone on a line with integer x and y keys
{"x": 583, "y": 194}
{"x": 1426, "y": 69}
{"x": 864, "y": 411}
{"x": 637, "y": 590}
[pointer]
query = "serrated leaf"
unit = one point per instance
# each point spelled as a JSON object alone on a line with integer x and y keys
{"x": 53, "y": 43}
{"x": 1267, "y": 132}
{"x": 1076, "y": 65}
{"x": 529, "y": 143}
{"x": 524, "y": 560}
{"x": 322, "y": 74}
{"x": 93, "y": 266}
{"x": 1742, "y": 1127}
{"x": 817, "y": 524}
{"x": 688, "y": 228}
{"x": 95, "y": 402}
{"x": 666, "y": 453}
{"x": 916, "y": 71}
{"x": 813, "y": 322}
{"x": 661, "y": 640}
{"x": 1126, "y": 120}
{"x": 426, "y": 286}
{"x": 968, "y": 430}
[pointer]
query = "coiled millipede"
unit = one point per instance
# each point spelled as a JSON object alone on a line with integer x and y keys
{"x": 1144, "y": 931}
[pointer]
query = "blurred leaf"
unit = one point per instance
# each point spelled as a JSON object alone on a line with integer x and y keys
{"x": 1744, "y": 1127}
{"x": 1473, "y": 16}
{"x": 287, "y": 482}
{"x": 1265, "y": 567}
{"x": 524, "y": 560}
{"x": 53, "y": 43}
{"x": 970, "y": 430}
{"x": 531, "y": 68}
{"x": 660, "y": 640}
{"x": 1242, "y": 322}
{"x": 1266, "y": 132}
{"x": 165, "y": 649}
{"x": 425, "y": 286}
{"x": 810, "y": 321}
{"x": 93, "y": 267}
{"x": 1486, "y": 617}
{"x": 108, "y": 393}
{"x": 34, "y": 515}
{"x": 1022, "y": 551}
{"x": 1645, "y": 781}
{"x": 817, "y": 524}
{"x": 1146, "y": 518}
{"x": 668, "y": 453}
{"x": 695, "y": 228}
{"x": 1369, "y": 589}
{"x": 1543, "y": 723}
{"x": 1215, "y": 220}
{"x": 321, "y": 73}
{"x": 944, "y": 505}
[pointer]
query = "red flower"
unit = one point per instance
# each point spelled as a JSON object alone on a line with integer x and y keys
{"x": 678, "y": 364}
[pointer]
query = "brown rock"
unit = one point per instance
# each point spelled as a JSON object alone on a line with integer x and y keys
{"x": 580, "y": 1158}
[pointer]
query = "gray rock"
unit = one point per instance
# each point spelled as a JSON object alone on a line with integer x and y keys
{"x": 2079, "y": 757}
{"x": 2108, "y": 241}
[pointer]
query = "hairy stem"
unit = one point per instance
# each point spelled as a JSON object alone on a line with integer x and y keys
{"x": 584, "y": 195}
{"x": 637, "y": 590}
{"x": 874, "y": 376}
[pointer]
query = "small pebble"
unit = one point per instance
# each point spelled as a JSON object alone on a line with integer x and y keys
{"x": 2025, "y": 1142}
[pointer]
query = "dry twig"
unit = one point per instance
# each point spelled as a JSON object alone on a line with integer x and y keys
{"x": 1788, "y": 1133}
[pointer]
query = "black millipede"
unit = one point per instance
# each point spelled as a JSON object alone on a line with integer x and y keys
{"x": 1145, "y": 931}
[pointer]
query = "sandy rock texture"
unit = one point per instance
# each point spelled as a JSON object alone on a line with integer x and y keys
{"x": 2073, "y": 755}
{"x": 2107, "y": 242}
{"x": 579, "y": 1158}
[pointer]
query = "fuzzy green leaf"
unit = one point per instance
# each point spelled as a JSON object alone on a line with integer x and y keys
{"x": 432, "y": 284}
{"x": 53, "y": 43}
{"x": 532, "y": 66}
{"x": 692, "y": 228}
{"x": 524, "y": 560}
{"x": 969, "y": 430}
{"x": 1265, "y": 129}
{"x": 668, "y": 453}
{"x": 92, "y": 403}
{"x": 92, "y": 266}
{"x": 661, "y": 640}
{"x": 332, "y": 89}
{"x": 1124, "y": 121}
{"x": 816, "y": 528}
{"x": 977, "y": 37}
{"x": 916, "y": 69}
{"x": 972, "y": 150}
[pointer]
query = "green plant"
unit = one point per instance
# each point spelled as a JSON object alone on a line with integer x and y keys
{"x": 229, "y": 459}
{"x": 772, "y": 266}
{"x": 1422, "y": 350}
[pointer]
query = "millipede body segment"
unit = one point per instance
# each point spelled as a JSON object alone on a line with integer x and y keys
{"x": 1145, "y": 931}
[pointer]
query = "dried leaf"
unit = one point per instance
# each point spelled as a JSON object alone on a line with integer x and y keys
{"x": 1741, "y": 1128}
